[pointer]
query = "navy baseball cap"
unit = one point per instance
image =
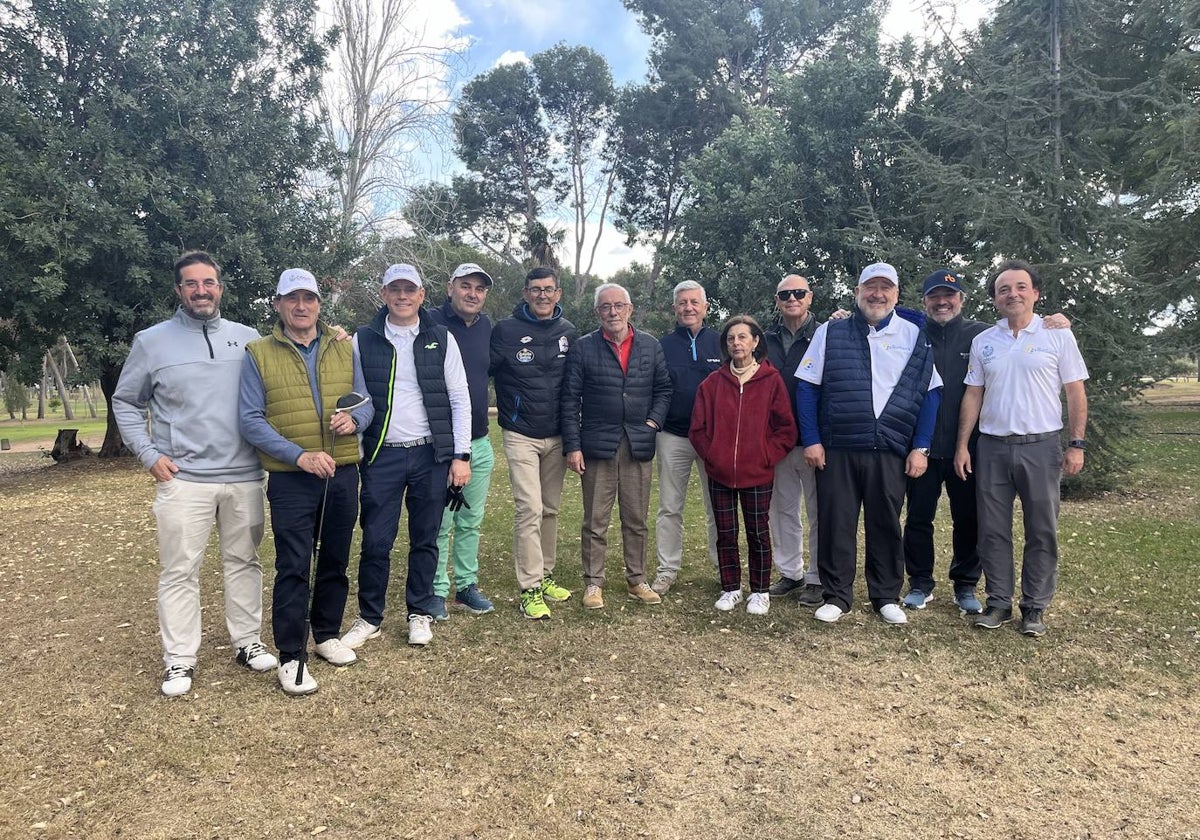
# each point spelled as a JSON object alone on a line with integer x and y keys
{"x": 942, "y": 279}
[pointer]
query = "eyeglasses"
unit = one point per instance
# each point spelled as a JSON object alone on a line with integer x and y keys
{"x": 612, "y": 307}
{"x": 541, "y": 291}
{"x": 196, "y": 285}
{"x": 798, "y": 294}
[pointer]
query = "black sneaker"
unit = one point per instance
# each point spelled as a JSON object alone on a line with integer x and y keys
{"x": 1031, "y": 623}
{"x": 993, "y": 618}
{"x": 784, "y": 587}
{"x": 812, "y": 596}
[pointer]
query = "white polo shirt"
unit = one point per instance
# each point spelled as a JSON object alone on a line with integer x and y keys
{"x": 891, "y": 348}
{"x": 1022, "y": 377}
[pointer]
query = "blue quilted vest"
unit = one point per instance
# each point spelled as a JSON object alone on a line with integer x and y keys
{"x": 847, "y": 416}
{"x": 378, "y": 359}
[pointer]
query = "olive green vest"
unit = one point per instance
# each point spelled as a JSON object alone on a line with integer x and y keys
{"x": 290, "y": 408}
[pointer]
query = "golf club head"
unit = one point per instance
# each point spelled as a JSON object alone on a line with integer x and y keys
{"x": 351, "y": 401}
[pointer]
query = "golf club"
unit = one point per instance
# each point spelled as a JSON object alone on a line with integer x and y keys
{"x": 346, "y": 402}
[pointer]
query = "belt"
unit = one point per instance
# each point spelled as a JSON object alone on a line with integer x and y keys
{"x": 409, "y": 444}
{"x": 1040, "y": 436}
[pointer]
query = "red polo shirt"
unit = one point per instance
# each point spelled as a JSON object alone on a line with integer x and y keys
{"x": 623, "y": 349}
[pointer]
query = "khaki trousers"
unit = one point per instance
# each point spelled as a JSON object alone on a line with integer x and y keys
{"x": 535, "y": 470}
{"x": 626, "y": 482}
{"x": 185, "y": 511}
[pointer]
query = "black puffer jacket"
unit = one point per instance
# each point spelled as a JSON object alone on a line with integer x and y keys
{"x": 599, "y": 402}
{"x": 527, "y": 360}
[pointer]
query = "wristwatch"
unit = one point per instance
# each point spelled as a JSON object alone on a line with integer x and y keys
{"x": 924, "y": 450}
{"x": 462, "y": 456}
{"x": 1077, "y": 443}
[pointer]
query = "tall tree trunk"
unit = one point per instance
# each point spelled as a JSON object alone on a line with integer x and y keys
{"x": 60, "y": 386}
{"x": 113, "y": 446}
{"x": 91, "y": 403}
{"x": 43, "y": 391}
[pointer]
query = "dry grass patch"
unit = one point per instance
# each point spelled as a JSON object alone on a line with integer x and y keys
{"x": 671, "y": 722}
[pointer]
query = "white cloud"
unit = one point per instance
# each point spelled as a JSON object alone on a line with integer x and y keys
{"x": 511, "y": 57}
{"x": 933, "y": 19}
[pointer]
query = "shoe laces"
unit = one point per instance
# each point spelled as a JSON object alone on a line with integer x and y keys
{"x": 254, "y": 649}
{"x": 421, "y": 619}
{"x": 176, "y": 672}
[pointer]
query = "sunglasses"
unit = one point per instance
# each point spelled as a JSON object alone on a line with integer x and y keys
{"x": 798, "y": 294}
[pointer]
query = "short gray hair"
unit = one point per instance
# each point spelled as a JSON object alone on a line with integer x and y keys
{"x": 688, "y": 286}
{"x": 604, "y": 287}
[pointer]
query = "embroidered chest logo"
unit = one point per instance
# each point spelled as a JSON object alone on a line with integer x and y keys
{"x": 563, "y": 344}
{"x": 525, "y": 339}
{"x": 524, "y": 355}
{"x": 231, "y": 344}
{"x": 431, "y": 345}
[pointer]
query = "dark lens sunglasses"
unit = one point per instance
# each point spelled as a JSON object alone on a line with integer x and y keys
{"x": 798, "y": 294}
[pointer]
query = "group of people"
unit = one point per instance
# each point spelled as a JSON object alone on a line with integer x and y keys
{"x": 851, "y": 416}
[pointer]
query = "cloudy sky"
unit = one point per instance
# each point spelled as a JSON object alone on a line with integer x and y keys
{"x": 501, "y": 31}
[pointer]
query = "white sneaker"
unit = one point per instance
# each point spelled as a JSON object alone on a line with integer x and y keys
{"x": 256, "y": 657}
{"x": 829, "y": 613}
{"x": 177, "y": 681}
{"x": 358, "y": 634}
{"x": 420, "y": 630}
{"x": 759, "y": 603}
{"x": 287, "y": 679}
{"x": 729, "y": 600}
{"x": 335, "y": 652}
{"x": 893, "y": 614}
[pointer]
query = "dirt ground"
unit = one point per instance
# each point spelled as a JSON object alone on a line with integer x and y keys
{"x": 670, "y": 722}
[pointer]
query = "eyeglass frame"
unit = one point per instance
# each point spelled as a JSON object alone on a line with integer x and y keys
{"x": 197, "y": 285}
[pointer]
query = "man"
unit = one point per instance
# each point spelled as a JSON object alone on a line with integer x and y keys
{"x": 290, "y": 385}
{"x": 787, "y": 343}
{"x": 462, "y": 314}
{"x": 528, "y": 356}
{"x": 950, "y": 336}
{"x": 868, "y": 397}
{"x": 184, "y": 371}
{"x": 692, "y": 352}
{"x": 419, "y": 436}
{"x": 615, "y": 394}
{"x": 1016, "y": 372}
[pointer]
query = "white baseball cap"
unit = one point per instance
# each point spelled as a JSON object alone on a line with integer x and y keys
{"x": 402, "y": 271}
{"x": 879, "y": 269}
{"x": 296, "y": 280}
{"x": 467, "y": 269}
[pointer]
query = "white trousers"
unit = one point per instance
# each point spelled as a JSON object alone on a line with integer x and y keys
{"x": 793, "y": 479}
{"x": 675, "y": 456}
{"x": 185, "y": 511}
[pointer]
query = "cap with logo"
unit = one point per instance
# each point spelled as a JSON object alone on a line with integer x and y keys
{"x": 879, "y": 269}
{"x": 296, "y": 280}
{"x": 942, "y": 279}
{"x": 402, "y": 271}
{"x": 467, "y": 269}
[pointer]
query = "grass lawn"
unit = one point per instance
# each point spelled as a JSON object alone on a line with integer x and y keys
{"x": 42, "y": 432}
{"x": 666, "y": 722}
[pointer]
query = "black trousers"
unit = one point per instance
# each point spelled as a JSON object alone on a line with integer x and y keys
{"x": 923, "y": 496}
{"x": 854, "y": 481}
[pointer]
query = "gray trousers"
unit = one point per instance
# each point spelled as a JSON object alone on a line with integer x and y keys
{"x": 1006, "y": 468}
{"x": 675, "y": 455}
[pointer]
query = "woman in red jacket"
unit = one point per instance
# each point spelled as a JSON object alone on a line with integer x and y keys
{"x": 742, "y": 425}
